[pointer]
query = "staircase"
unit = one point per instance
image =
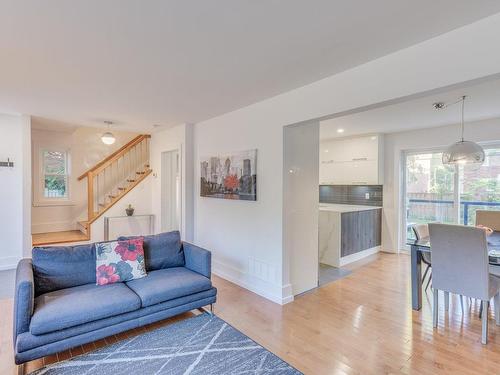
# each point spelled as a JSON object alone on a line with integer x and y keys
{"x": 107, "y": 182}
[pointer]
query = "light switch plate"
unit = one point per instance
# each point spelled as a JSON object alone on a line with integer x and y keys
{"x": 367, "y": 195}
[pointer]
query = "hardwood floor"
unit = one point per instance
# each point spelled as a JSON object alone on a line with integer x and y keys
{"x": 39, "y": 239}
{"x": 361, "y": 324}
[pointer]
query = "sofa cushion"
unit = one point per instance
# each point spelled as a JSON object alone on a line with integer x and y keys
{"x": 164, "y": 285}
{"x": 119, "y": 261}
{"x": 162, "y": 250}
{"x": 140, "y": 317}
{"x": 59, "y": 267}
{"x": 81, "y": 304}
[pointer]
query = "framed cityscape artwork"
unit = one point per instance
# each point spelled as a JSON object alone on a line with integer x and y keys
{"x": 230, "y": 176}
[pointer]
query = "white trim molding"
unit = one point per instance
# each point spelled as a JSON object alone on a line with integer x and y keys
{"x": 273, "y": 292}
{"x": 358, "y": 256}
{"x": 9, "y": 263}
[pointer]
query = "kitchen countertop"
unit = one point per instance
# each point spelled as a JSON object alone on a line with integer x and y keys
{"x": 345, "y": 207}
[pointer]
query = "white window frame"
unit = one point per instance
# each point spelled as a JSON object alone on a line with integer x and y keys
{"x": 39, "y": 181}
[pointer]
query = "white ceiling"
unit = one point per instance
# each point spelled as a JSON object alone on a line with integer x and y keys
{"x": 140, "y": 63}
{"x": 482, "y": 102}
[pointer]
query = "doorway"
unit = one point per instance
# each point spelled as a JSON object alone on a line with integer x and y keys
{"x": 171, "y": 191}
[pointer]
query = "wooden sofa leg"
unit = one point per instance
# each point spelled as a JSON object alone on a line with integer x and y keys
{"x": 20, "y": 369}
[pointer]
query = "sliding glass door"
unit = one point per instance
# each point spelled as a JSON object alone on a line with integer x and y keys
{"x": 435, "y": 193}
{"x": 430, "y": 190}
{"x": 480, "y": 189}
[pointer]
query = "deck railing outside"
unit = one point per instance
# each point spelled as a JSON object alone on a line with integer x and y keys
{"x": 466, "y": 215}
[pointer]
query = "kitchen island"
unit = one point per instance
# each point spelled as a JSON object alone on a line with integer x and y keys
{"x": 348, "y": 232}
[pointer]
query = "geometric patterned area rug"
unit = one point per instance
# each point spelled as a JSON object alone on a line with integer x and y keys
{"x": 202, "y": 345}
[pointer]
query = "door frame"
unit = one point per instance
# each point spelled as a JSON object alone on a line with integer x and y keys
{"x": 163, "y": 178}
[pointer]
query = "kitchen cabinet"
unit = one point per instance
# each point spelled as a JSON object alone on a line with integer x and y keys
{"x": 348, "y": 233}
{"x": 360, "y": 231}
{"x": 352, "y": 161}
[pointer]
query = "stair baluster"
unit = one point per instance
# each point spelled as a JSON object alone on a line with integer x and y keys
{"x": 109, "y": 180}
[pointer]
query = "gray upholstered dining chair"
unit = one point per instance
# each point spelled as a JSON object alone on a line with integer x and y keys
{"x": 490, "y": 219}
{"x": 421, "y": 232}
{"x": 460, "y": 265}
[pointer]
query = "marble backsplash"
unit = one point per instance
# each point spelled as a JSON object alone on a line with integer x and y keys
{"x": 351, "y": 194}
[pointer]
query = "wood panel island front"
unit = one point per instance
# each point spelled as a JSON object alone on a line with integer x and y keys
{"x": 348, "y": 232}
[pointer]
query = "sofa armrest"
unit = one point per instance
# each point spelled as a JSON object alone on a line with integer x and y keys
{"x": 24, "y": 296}
{"x": 198, "y": 259}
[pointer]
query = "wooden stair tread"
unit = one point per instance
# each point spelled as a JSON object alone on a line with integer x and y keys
{"x": 51, "y": 238}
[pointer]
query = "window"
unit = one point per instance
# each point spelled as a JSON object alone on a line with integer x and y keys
{"x": 480, "y": 188}
{"x": 434, "y": 192}
{"x": 55, "y": 175}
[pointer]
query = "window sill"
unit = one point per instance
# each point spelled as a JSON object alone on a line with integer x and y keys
{"x": 50, "y": 203}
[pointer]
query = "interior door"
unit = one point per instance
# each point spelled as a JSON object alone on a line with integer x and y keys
{"x": 171, "y": 191}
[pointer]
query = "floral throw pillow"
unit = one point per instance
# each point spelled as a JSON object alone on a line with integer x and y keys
{"x": 119, "y": 261}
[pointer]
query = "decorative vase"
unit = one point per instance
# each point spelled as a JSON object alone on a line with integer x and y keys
{"x": 129, "y": 211}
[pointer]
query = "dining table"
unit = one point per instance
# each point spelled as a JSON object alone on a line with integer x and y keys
{"x": 424, "y": 246}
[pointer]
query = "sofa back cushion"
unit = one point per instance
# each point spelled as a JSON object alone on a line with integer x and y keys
{"x": 163, "y": 250}
{"x": 59, "y": 267}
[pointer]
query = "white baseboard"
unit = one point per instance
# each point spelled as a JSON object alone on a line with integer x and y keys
{"x": 358, "y": 256}
{"x": 275, "y": 293}
{"x": 287, "y": 294}
{"x": 55, "y": 226}
{"x": 9, "y": 263}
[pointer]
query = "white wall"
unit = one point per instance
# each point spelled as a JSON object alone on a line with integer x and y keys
{"x": 86, "y": 149}
{"x": 300, "y": 216}
{"x": 396, "y": 144}
{"x": 138, "y": 197}
{"x": 15, "y": 189}
{"x": 177, "y": 138}
{"x": 247, "y": 237}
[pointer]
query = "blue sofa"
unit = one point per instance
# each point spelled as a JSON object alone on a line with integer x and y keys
{"x": 57, "y": 305}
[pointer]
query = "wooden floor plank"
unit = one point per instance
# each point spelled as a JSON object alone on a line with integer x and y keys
{"x": 49, "y": 238}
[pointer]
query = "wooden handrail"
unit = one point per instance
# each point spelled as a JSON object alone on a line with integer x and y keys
{"x": 114, "y": 156}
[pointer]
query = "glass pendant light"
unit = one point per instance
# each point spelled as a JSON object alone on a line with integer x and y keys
{"x": 108, "y": 138}
{"x": 464, "y": 152}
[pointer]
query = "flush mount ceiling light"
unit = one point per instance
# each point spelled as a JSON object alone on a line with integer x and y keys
{"x": 108, "y": 138}
{"x": 462, "y": 152}
{"x": 340, "y": 130}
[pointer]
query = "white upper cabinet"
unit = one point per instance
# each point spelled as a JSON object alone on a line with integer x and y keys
{"x": 352, "y": 161}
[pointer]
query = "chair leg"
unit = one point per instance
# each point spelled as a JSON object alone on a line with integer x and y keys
{"x": 484, "y": 319}
{"x": 446, "y": 301}
{"x": 428, "y": 282}
{"x": 425, "y": 273}
{"x": 481, "y": 309}
{"x": 496, "y": 301}
{"x": 462, "y": 304}
{"x": 435, "y": 307}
